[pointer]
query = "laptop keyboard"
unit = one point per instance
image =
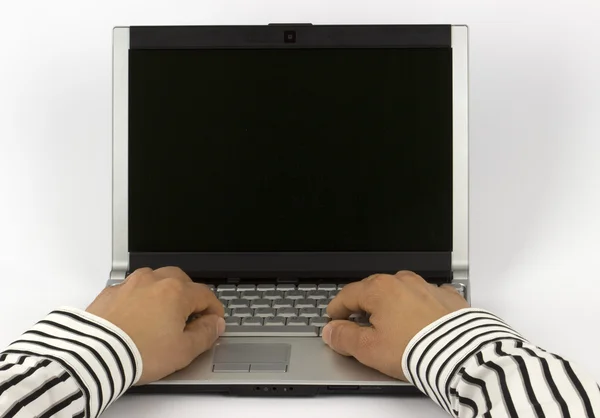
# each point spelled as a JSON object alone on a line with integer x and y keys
{"x": 283, "y": 310}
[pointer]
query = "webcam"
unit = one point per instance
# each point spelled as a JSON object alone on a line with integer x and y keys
{"x": 289, "y": 36}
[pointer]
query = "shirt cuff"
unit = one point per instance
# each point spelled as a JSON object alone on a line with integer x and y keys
{"x": 438, "y": 351}
{"x": 101, "y": 357}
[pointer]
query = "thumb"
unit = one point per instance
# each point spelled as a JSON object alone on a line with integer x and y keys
{"x": 350, "y": 339}
{"x": 202, "y": 333}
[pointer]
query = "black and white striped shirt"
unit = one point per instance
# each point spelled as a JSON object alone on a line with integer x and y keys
{"x": 473, "y": 364}
{"x": 74, "y": 364}
{"x": 70, "y": 364}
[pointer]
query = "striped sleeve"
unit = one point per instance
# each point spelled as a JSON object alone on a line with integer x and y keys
{"x": 473, "y": 364}
{"x": 70, "y": 364}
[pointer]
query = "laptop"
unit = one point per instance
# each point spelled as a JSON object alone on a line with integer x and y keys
{"x": 278, "y": 163}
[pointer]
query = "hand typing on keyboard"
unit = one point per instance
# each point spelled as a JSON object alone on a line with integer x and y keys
{"x": 165, "y": 298}
{"x": 399, "y": 306}
{"x": 171, "y": 320}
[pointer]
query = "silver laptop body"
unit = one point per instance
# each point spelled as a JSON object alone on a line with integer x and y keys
{"x": 235, "y": 130}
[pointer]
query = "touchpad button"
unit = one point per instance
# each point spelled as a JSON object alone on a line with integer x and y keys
{"x": 262, "y": 358}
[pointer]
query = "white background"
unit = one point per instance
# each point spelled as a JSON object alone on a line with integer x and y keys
{"x": 535, "y": 182}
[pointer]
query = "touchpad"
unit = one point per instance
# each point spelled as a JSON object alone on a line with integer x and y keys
{"x": 252, "y": 358}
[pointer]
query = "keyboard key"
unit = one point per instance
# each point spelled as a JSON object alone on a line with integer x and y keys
{"x": 264, "y": 312}
{"x": 333, "y": 294}
{"x": 305, "y": 303}
{"x": 223, "y": 287}
{"x": 232, "y": 320}
{"x": 295, "y": 321}
{"x": 273, "y": 294}
{"x": 228, "y": 294}
{"x": 225, "y": 302}
{"x": 238, "y": 303}
{"x": 324, "y": 313}
{"x": 251, "y": 294}
{"x": 287, "y": 312}
{"x": 265, "y": 287}
{"x": 317, "y": 294}
{"x": 245, "y": 287}
{"x": 294, "y": 294}
{"x": 276, "y": 320}
{"x": 341, "y": 286}
{"x": 322, "y": 303}
{"x": 242, "y": 312}
{"x": 283, "y": 303}
{"x": 363, "y": 321}
{"x": 227, "y": 312}
{"x": 272, "y": 331}
{"x": 327, "y": 287}
{"x": 286, "y": 287}
{"x": 306, "y": 287}
{"x": 255, "y": 321}
{"x": 359, "y": 318}
{"x": 192, "y": 317}
{"x": 309, "y": 312}
{"x": 260, "y": 303}
{"x": 320, "y": 321}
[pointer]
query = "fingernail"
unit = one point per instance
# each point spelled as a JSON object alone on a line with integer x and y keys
{"x": 220, "y": 326}
{"x": 327, "y": 334}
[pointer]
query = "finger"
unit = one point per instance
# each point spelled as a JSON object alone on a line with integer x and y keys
{"x": 347, "y": 301}
{"x": 170, "y": 272}
{"x": 200, "y": 299}
{"x": 141, "y": 272}
{"x": 354, "y": 297}
{"x": 200, "y": 334}
{"x": 407, "y": 273}
{"x": 350, "y": 339}
{"x": 141, "y": 276}
{"x": 448, "y": 287}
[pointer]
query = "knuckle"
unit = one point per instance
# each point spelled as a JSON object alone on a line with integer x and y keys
{"x": 380, "y": 282}
{"x": 141, "y": 274}
{"x": 409, "y": 277}
{"x": 379, "y": 287}
{"x": 140, "y": 277}
{"x": 175, "y": 271}
{"x": 206, "y": 290}
{"x": 142, "y": 270}
{"x": 448, "y": 288}
{"x": 207, "y": 294}
{"x": 172, "y": 286}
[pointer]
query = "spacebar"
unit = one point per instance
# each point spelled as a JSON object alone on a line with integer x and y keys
{"x": 270, "y": 331}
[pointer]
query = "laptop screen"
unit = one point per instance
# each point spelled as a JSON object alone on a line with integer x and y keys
{"x": 290, "y": 150}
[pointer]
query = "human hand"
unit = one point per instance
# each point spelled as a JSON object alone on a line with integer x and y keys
{"x": 400, "y": 306}
{"x": 153, "y": 308}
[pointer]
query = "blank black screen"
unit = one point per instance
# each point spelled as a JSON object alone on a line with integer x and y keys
{"x": 290, "y": 150}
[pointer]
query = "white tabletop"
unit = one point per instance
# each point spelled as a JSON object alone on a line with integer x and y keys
{"x": 535, "y": 173}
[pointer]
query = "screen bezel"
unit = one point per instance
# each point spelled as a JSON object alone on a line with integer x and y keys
{"x": 304, "y": 264}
